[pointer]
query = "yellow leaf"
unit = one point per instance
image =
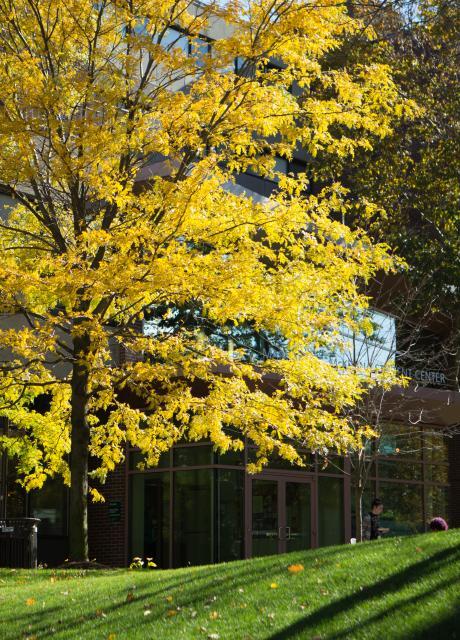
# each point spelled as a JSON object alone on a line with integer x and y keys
{"x": 171, "y": 612}
{"x": 213, "y": 615}
{"x": 30, "y": 602}
{"x": 274, "y": 585}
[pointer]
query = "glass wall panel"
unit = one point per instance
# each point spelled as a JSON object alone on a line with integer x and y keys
{"x": 150, "y": 521}
{"x": 396, "y": 470}
{"x": 330, "y": 511}
{"x": 276, "y": 462}
{"x": 403, "y": 507}
{"x": 401, "y": 440}
{"x": 174, "y": 39}
{"x": 198, "y": 49}
{"x": 437, "y": 473}
{"x": 435, "y": 447}
{"x": 192, "y": 456}
{"x": 230, "y": 515}
{"x": 233, "y": 458}
{"x": 374, "y": 350}
{"x": 436, "y": 502}
{"x": 50, "y": 505}
{"x": 193, "y": 518}
{"x": 334, "y": 464}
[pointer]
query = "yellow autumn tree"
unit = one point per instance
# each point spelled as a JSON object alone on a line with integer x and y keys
{"x": 123, "y": 124}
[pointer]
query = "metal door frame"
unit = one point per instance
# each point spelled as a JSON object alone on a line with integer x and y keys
{"x": 281, "y": 477}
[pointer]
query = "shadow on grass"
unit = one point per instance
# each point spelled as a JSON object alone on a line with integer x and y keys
{"x": 448, "y": 628}
{"x": 389, "y": 612}
{"x": 196, "y": 588}
{"x": 206, "y": 584}
{"x": 395, "y": 581}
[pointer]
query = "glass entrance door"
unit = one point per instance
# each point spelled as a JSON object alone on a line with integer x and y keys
{"x": 298, "y": 516}
{"x": 281, "y": 515}
{"x": 266, "y": 527}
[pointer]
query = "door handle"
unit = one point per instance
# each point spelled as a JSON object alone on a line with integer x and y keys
{"x": 287, "y": 535}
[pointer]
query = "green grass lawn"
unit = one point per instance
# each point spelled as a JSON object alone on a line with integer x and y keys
{"x": 403, "y": 588}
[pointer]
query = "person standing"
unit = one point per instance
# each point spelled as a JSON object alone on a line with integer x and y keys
{"x": 371, "y": 522}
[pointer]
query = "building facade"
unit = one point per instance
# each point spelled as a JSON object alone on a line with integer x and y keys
{"x": 200, "y": 507}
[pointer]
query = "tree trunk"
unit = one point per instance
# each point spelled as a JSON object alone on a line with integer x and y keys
{"x": 78, "y": 524}
{"x": 359, "y": 490}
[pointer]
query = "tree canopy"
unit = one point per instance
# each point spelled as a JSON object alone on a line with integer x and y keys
{"x": 122, "y": 125}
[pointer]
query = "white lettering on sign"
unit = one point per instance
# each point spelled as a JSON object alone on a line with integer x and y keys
{"x": 423, "y": 375}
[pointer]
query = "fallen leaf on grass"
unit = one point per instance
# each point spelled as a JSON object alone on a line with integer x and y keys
{"x": 30, "y": 602}
{"x": 147, "y": 612}
{"x": 274, "y": 585}
{"x": 100, "y": 613}
{"x": 169, "y": 598}
{"x": 111, "y": 636}
{"x": 171, "y": 612}
{"x": 295, "y": 568}
{"x": 213, "y": 615}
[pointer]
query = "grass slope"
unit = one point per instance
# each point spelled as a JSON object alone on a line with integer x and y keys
{"x": 405, "y": 588}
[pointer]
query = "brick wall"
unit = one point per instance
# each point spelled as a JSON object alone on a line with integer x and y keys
{"x": 454, "y": 479}
{"x": 107, "y": 521}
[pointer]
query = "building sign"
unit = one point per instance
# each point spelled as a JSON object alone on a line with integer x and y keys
{"x": 424, "y": 375}
{"x": 114, "y": 508}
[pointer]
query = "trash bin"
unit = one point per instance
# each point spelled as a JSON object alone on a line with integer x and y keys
{"x": 18, "y": 543}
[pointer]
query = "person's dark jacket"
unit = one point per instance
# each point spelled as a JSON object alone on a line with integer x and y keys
{"x": 371, "y": 526}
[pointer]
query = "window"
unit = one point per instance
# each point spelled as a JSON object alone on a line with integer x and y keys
{"x": 191, "y": 456}
{"x": 281, "y": 166}
{"x": 403, "y": 507}
{"x": 359, "y": 349}
{"x": 436, "y": 502}
{"x": 396, "y": 470}
{"x": 401, "y": 440}
{"x": 174, "y": 39}
{"x": 49, "y": 504}
{"x": 330, "y": 511}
